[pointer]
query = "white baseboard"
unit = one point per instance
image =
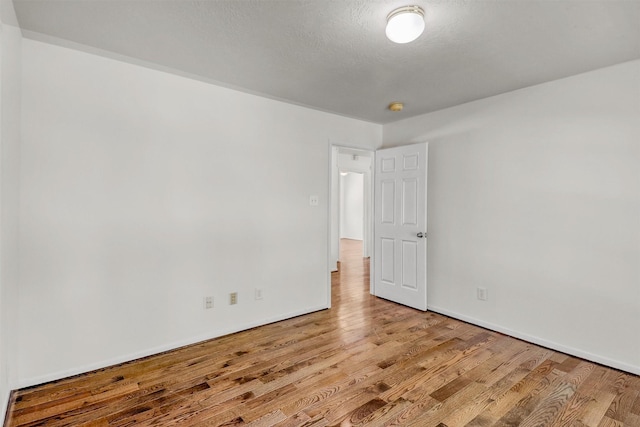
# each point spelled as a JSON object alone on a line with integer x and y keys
{"x": 28, "y": 382}
{"x": 5, "y": 395}
{"x": 539, "y": 341}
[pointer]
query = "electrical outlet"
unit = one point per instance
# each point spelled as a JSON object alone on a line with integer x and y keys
{"x": 259, "y": 293}
{"x": 314, "y": 200}
{"x": 207, "y": 303}
{"x": 482, "y": 294}
{"x": 233, "y": 298}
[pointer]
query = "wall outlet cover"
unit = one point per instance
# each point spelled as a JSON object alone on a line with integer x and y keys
{"x": 207, "y": 302}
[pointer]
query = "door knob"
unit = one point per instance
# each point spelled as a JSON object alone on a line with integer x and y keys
{"x": 422, "y": 235}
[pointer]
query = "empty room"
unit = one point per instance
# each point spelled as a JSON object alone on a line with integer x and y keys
{"x": 320, "y": 213}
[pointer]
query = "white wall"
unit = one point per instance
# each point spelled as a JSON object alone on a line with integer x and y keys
{"x": 535, "y": 195}
{"x": 10, "y": 54}
{"x": 142, "y": 192}
{"x": 351, "y": 206}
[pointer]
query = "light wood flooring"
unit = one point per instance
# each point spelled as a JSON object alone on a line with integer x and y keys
{"x": 366, "y": 361}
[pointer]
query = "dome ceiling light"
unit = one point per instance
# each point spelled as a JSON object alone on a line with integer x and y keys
{"x": 405, "y": 24}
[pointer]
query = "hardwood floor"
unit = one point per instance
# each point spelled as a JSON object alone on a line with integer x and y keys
{"x": 366, "y": 361}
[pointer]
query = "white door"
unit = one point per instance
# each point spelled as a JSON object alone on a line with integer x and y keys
{"x": 400, "y": 241}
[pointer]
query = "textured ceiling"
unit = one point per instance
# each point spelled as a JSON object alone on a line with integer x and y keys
{"x": 332, "y": 55}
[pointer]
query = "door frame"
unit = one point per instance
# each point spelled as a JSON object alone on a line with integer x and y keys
{"x": 333, "y": 208}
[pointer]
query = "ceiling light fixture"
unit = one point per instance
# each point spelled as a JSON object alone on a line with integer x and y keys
{"x": 405, "y": 24}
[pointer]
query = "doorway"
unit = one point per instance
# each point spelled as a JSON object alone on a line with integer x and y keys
{"x": 351, "y": 206}
{"x": 351, "y": 168}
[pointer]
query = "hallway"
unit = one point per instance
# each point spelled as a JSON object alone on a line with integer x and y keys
{"x": 352, "y": 277}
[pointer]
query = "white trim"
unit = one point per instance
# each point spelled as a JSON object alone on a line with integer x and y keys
{"x": 372, "y": 219}
{"x": 4, "y": 401}
{"x": 160, "y": 349}
{"x": 332, "y": 264}
{"x": 539, "y": 341}
{"x": 332, "y": 205}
